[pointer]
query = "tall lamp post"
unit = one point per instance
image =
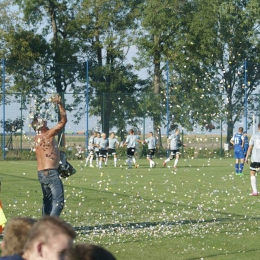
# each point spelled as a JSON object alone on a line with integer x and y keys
{"x": 245, "y": 82}
{"x": 87, "y": 106}
{"x": 3, "y": 102}
{"x": 167, "y": 102}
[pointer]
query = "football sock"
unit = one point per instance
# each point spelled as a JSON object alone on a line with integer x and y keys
{"x": 129, "y": 162}
{"x": 167, "y": 160}
{"x": 134, "y": 160}
{"x": 87, "y": 161}
{"x": 151, "y": 163}
{"x": 253, "y": 184}
{"x": 241, "y": 167}
{"x": 115, "y": 161}
{"x": 236, "y": 167}
{"x": 176, "y": 162}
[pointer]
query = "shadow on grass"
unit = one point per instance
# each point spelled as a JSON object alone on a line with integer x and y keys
{"x": 234, "y": 253}
{"x": 143, "y": 225}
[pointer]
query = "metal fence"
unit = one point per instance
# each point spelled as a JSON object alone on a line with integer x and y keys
{"x": 88, "y": 110}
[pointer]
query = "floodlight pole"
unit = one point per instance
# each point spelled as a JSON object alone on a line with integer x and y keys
{"x": 167, "y": 102}
{"x": 3, "y": 102}
{"x": 245, "y": 82}
{"x": 87, "y": 106}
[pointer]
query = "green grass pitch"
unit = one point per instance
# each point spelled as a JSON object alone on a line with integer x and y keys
{"x": 202, "y": 210}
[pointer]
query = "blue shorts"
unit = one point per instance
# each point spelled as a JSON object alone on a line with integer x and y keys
{"x": 239, "y": 152}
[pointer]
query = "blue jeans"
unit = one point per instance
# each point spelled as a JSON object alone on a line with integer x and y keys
{"x": 53, "y": 193}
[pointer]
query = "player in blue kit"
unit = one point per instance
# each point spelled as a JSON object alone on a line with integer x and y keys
{"x": 238, "y": 142}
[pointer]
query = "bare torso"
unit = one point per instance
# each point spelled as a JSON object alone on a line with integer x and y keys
{"x": 47, "y": 152}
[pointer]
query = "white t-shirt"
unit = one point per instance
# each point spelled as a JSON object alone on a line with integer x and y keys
{"x": 255, "y": 141}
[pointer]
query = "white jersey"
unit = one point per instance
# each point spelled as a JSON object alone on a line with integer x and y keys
{"x": 91, "y": 142}
{"x": 151, "y": 141}
{"x": 112, "y": 143}
{"x": 255, "y": 141}
{"x": 130, "y": 140}
{"x": 103, "y": 144}
{"x": 96, "y": 142}
{"x": 174, "y": 144}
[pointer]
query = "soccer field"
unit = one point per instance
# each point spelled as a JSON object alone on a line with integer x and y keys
{"x": 202, "y": 210}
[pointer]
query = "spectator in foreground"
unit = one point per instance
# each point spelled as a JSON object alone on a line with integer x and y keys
{"x": 49, "y": 238}
{"x": 88, "y": 252}
{"x": 15, "y": 235}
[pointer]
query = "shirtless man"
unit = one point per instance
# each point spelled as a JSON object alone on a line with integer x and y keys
{"x": 48, "y": 161}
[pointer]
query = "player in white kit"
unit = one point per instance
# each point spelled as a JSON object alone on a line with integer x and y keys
{"x": 175, "y": 144}
{"x": 151, "y": 141}
{"x": 131, "y": 140}
{"x": 91, "y": 150}
{"x": 113, "y": 144}
{"x": 254, "y": 147}
{"x": 103, "y": 145}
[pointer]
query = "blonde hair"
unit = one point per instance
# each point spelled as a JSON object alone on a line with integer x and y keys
{"x": 15, "y": 235}
{"x": 47, "y": 227}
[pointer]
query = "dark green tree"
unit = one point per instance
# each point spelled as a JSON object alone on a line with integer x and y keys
{"x": 217, "y": 40}
{"x": 106, "y": 40}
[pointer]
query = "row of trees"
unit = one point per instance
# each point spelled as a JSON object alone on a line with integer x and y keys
{"x": 206, "y": 42}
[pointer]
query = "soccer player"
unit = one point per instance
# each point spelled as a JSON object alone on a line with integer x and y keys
{"x": 96, "y": 148}
{"x": 175, "y": 143}
{"x": 91, "y": 150}
{"x": 238, "y": 141}
{"x": 246, "y": 142}
{"x": 103, "y": 145}
{"x": 254, "y": 147}
{"x": 113, "y": 143}
{"x": 151, "y": 141}
{"x": 131, "y": 139}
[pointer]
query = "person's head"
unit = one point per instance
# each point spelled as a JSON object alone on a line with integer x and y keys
{"x": 177, "y": 131}
{"x": 39, "y": 124}
{"x": 131, "y": 131}
{"x": 240, "y": 129}
{"x": 150, "y": 134}
{"x": 103, "y": 135}
{"x": 48, "y": 239}
{"x": 112, "y": 135}
{"x": 98, "y": 135}
{"x": 88, "y": 252}
{"x": 244, "y": 133}
{"x": 15, "y": 235}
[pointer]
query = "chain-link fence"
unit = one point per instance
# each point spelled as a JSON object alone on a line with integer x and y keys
{"x": 201, "y": 115}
